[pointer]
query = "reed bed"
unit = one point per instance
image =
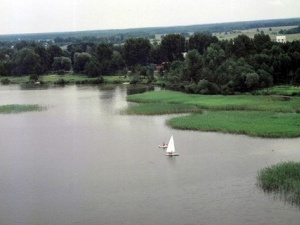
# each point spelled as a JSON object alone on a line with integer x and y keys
{"x": 257, "y": 124}
{"x": 272, "y": 116}
{"x": 221, "y": 102}
{"x": 287, "y": 90}
{"x": 6, "y": 109}
{"x": 161, "y": 108}
{"x": 282, "y": 179}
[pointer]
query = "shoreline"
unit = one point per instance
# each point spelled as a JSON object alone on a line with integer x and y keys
{"x": 252, "y": 115}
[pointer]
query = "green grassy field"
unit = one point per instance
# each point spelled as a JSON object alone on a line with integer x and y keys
{"x": 286, "y": 90}
{"x": 161, "y": 108}
{"x": 270, "y": 116}
{"x": 258, "y": 124}
{"x": 221, "y": 102}
{"x": 251, "y": 32}
{"x": 6, "y": 109}
{"x": 282, "y": 179}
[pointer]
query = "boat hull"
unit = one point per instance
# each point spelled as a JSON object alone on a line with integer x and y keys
{"x": 163, "y": 146}
{"x": 173, "y": 154}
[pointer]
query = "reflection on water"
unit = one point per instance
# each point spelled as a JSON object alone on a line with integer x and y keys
{"x": 139, "y": 89}
{"x": 32, "y": 86}
{"x": 81, "y": 162}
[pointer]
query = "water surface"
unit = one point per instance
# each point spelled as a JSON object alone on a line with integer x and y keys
{"x": 82, "y": 162}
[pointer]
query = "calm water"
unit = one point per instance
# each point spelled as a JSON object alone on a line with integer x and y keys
{"x": 82, "y": 162}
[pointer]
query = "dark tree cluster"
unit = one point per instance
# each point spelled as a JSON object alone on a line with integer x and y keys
{"x": 240, "y": 65}
{"x": 199, "y": 63}
{"x": 26, "y": 58}
{"x": 295, "y": 30}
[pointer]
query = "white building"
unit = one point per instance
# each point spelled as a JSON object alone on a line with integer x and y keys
{"x": 281, "y": 39}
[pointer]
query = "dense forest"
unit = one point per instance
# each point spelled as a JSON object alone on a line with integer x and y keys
{"x": 199, "y": 63}
{"x": 295, "y": 30}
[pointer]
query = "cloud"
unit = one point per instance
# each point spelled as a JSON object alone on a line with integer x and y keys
{"x": 275, "y": 2}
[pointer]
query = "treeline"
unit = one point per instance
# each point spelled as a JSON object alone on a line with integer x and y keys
{"x": 242, "y": 64}
{"x": 295, "y": 30}
{"x": 198, "y": 64}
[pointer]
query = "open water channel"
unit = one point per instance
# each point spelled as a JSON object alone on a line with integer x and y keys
{"x": 82, "y": 162}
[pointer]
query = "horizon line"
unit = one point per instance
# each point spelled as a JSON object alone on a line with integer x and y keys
{"x": 146, "y": 27}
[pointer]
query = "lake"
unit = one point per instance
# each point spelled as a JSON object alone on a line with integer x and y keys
{"x": 82, "y": 161}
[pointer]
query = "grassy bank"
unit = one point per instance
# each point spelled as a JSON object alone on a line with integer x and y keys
{"x": 161, "y": 108}
{"x": 221, "y": 102}
{"x": 286, "y": 90}
{"x": 67, "y": 79}
{"x": 5, "y": 109}
{"x": 282, "y": 179}
{"x": 259, "y": 124}
{"x": 253, "y": 115}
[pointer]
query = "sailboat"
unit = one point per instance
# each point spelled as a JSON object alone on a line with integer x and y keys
{"x": 171, "y": 148}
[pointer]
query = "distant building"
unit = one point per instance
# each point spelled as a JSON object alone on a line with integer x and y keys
{"x": 281, "y": 39}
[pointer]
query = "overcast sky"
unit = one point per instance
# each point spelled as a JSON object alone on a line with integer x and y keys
{"x": 37, "y": 16}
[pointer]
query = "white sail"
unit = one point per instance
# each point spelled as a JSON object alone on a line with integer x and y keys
{"x": 171, "y": 146}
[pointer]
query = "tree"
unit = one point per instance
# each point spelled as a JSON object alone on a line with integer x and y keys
{"x": 104, "y": 52}
{"x": 61, "y": 63}
{"x": 137, "y": 51}
{"x": 54, "y": 51}
{"x": 193, "y": 65}
{"x": 201, "y": 41}
{"x": 92, "y": 68}
{"x": 265, "y": 79}
{"x": 297, "y": 78}
{"x": 261, "y": 42}
{"x": 26, "y": 60}
{"x": 252, "y": 81}
{"x": 173, "y": 46}
{"x": 6, "y": 68}
{"x": 117, "y": 63}
{"x": 156, "y": 54}
{"x": 80, "y": 60}
{"x": 44, "y": 58}
{"x": 242, "y": 46}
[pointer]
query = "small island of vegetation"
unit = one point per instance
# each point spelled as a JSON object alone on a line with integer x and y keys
{"x": 15, "y": 108}
{"x": 282, "y": 179}
{"x": 271, "y": 116}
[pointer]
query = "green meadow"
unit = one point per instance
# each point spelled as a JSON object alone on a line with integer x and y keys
{"x": 259, "y": 124}
{"x": 273, "y": 32}
{"x": 161, "y": 108}
{"x": 273, "y": 116}
{"x": 15, "y": 108}
{"x": 272, "y": 103}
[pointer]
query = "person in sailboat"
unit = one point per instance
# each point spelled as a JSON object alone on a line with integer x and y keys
{"x": 163, "y": 145}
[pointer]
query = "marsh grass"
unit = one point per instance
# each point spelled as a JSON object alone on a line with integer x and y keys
{"x": 6, "y": 109}
{"x": 221, "y": 102}
{"x": 258, "y": 124}
{"x": 282, "y": 179}
{"x": 269, "y": 116}
{"x": 284, "y": 90}
{"x": 160, "y": 109}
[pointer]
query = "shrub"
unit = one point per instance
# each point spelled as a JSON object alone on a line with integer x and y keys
{"x": 61, "y": 81}
{"x": 5, "y": 81}
{"x": 206, "y": 87}
{"x": 33, "y": 77}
